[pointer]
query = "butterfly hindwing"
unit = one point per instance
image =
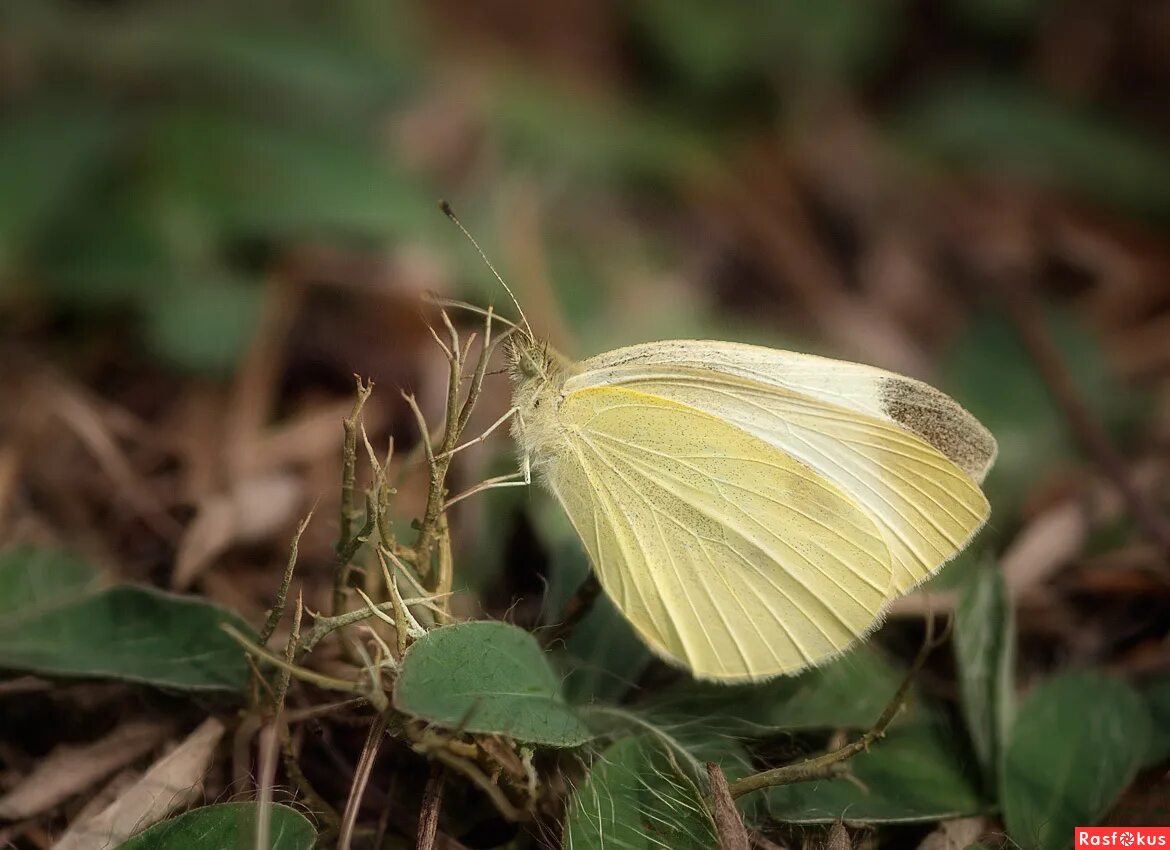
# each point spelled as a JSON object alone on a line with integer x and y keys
{"x": 729, "y": 556}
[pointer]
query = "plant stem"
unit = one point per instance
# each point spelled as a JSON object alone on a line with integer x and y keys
{"x": 832, "y": 763}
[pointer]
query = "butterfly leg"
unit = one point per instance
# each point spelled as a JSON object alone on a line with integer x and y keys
{"x": 521, "y": 478}
{"x": 511, "y": 412}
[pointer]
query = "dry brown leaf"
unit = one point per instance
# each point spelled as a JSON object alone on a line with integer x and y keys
{"x": 254, "y": 509}
{"x": 69, "y": 770}
{"x": 839, "y": 838}
{"x": 1044, "y": 547}
{"x": 172, "y": 782}
{"x": 954, "y": 834}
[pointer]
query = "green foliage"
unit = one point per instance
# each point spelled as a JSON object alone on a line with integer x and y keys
{"x": 1077, "y": 742}
{"x": 849, "y": 693}
{"x": 592, "y": 139}
{"x": 247, "y": 176}
{"x": 487, "y": 677}
{"x": 916, "y": 773}
{"x": 991, "y": 372}
{"x": 985, "y": 646}
{"x": 1157, "y": 696}
{"x": 47, "y": 150}
{"x": 637, "y": 797}
{"x": 57, "y": 619}
{"x": 260, "y": 128}
{"x": 205, "y": 326}
{"x": 799, "y": 40}
{"x": 225, "y": 826}
{"x": 1005, "y": 127}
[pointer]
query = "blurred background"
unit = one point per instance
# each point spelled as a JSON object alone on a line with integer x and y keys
{"x": 212, "y": 215}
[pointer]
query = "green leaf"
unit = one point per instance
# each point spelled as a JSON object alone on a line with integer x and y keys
{"x": 593, "y": 139}
{"x": 487, "y": 677}
{"x": 710, "y": 47}
{"x": 46, "y": 153}
{"x": 913, "y": 774}
{"x": 984, "y": 644}
{"x": 1000, "y": 125}
{"x": 636, "y": 798}
{"x": 1077, "y": 742}
{"x": 223, "y": 827}
{"x": 849, "y": 693}
{"x": 1157, "y": 696}
{"x": 250, "y": 177}
{"x": 205, "y": 326}
{"x": 57, "y": 619}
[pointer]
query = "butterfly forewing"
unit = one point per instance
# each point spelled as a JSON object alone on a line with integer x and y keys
{"x": 886, "y": 396}
{"x": 729, "y": 556}
{"x": 926, "y": 507}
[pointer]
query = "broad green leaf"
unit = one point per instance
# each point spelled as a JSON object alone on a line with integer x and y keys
{"x": 204, "y": 326}
{"x": 249, "y": 177}
{"x": 1157, "y": 695}
{"x": 227, "y": 826}
{"x": 46, "y": 153}
{"x": 57, "y": 619}
{"x": 849, "y": 693}
{"x": 692, "y": 743}
{"x": 108, "y": 252}
{"x": 1000, "y": 125}
{"x": 984, "y": 644}
{"x": 913, "y": 774}
{"x": 1077, "y": 742}
{"x": 487, "y": 677}
{"x": 636, "y": 798}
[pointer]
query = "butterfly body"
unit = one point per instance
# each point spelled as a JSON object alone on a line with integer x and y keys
{"x": 750, "y": 511}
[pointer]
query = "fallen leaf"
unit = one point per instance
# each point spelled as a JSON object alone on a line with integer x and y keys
{"x": 955, "y": 834}
{"x": 69, "y": 769}
{"x": 172, "y": 782}
{"x": 252, "y": 510}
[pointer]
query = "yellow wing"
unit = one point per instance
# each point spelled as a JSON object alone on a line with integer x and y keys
{"x": 728, "y": 556}
{"x": 926, "y": 507}
{"x": 886, "y": 396}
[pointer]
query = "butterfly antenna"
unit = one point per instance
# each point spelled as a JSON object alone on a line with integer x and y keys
{"x": 450, "y": 213}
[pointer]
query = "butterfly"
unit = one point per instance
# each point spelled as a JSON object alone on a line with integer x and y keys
{"x": 752, "y": 512}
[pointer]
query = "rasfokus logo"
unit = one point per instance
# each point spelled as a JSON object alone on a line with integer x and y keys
{"x": 1122, "y": 836}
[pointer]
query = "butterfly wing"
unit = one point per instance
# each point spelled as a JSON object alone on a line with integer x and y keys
{"x": 886, "y": 396}
{"x": 916, "y": 484}
{"x": 728, "y": 555}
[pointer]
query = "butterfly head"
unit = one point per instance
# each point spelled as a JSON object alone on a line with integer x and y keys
{"x": 538, "y": 375}
{"x": 530, "y": 359}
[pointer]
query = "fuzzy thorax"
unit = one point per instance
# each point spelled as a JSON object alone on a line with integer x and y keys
{"x": 538, "y": 379}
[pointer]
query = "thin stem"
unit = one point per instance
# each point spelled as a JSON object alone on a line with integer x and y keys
{"x": 728, "y": 824}
{"x": 428, "y": 816}
{"x": 346, "y": 554}
{"x": 324, "y": 626}
{"x": 277, "y": 611}
{"x": 575, "y": 610}
{"x": 1089, "y": 433}
{"x": 832, "y": 763}
{"x": 361, "y": 779}
{"x": 319, "y": 679}
{"x": 349, "y": 463}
